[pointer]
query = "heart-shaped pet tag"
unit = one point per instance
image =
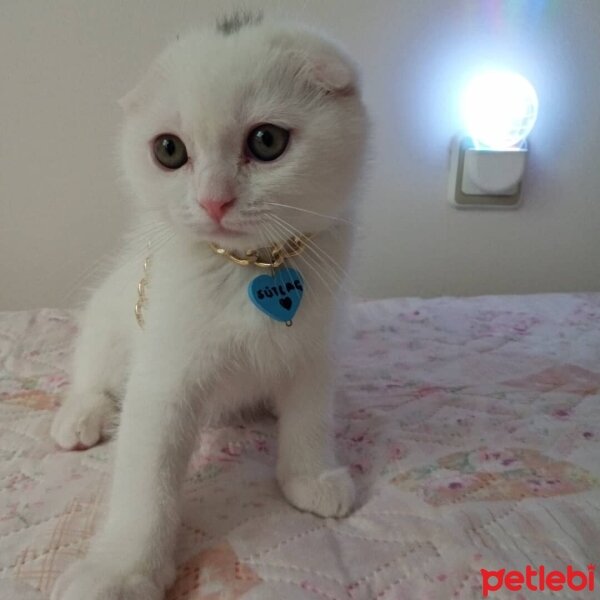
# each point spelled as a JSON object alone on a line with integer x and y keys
{"x": 278, "y": 296}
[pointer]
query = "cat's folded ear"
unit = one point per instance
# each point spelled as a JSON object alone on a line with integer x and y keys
{"x": 320, "y": 63}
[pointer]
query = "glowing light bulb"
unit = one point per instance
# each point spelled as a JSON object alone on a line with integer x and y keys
{"x": 499, "y": 109}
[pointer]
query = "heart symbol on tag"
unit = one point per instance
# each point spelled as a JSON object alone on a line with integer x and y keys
{"x": 279, "y": 296}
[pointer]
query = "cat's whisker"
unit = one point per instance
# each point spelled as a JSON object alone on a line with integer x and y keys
{"x": 264, "y": 234}
{"x": 161, "y": 243}
{"x": 325, "y": 276}
{"x": 279, "y": 235}
{"x": 318, "y": 266}
{"x": 316, "y": 249}
{"x": 333, "y": 270}
{"x": 148, "y": 241}
{"x": 311, "y": 212}
{"x": 140, "y": 235}
{"x": 281, "y": 231}
{"x": 246, "y": 211}
{"x": 304, "y": 258}
{"x": 79, "y": 282}
{"x": 309, "y": 288}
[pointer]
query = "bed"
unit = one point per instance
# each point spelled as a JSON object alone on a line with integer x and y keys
{"x": 471, "y": 427}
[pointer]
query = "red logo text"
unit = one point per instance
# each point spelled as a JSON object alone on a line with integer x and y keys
{"x": 538, "y": 581}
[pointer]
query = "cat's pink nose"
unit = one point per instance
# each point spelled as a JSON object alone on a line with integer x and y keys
{"x": 217, "y": 207}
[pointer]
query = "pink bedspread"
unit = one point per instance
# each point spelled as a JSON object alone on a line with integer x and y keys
{"x": 472, "y": 427}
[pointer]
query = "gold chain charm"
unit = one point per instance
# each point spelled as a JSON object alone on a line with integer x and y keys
{"x": 142, "y": 297}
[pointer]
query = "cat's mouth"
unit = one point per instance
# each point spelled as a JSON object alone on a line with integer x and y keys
{"x": 220, "y": 232}
{"x": 227, "y": 231}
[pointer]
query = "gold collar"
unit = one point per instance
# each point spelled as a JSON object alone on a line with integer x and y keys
{"x": 265, "y": 258}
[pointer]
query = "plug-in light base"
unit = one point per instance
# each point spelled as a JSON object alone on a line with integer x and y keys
{"x": 482, "y": 178}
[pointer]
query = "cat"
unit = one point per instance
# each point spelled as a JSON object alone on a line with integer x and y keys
{"x": 238, "y": 138}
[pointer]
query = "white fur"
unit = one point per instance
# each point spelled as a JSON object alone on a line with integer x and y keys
{"x": 206, "y": 350}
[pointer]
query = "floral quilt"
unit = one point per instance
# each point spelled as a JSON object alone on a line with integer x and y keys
{"x": 471, "y": 427}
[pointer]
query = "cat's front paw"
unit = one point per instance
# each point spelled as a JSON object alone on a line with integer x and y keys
{"x": 330, "y": 494}
{"x": 79, "y": 422}
{"x": 95, "y": 580}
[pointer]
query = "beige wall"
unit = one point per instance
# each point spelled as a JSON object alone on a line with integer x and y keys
{"x": 64, "y": 63}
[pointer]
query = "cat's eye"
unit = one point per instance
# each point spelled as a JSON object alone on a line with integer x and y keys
{"x": 170, "y": 151}
{"x": 267, "y": 142}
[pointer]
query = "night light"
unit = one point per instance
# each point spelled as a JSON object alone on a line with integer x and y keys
{"x": 499, "y": 109}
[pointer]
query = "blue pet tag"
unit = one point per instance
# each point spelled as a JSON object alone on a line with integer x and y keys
{"x": 278, "y": 296}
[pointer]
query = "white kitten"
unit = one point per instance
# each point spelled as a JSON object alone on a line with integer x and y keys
{"x": 241, "y": 137}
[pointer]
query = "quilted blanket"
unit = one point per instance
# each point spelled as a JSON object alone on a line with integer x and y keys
{"x": 471, "y": 427}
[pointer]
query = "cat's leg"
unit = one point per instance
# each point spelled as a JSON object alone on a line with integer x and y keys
{"x": 132, "y": 557}
{"x": 99, "y": 371}
{"x": 307, "y": 470}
